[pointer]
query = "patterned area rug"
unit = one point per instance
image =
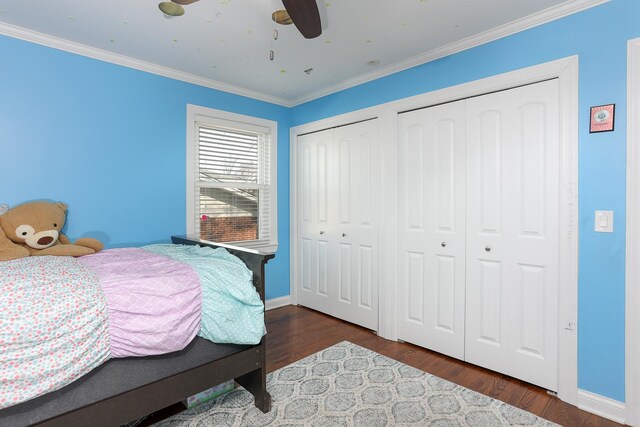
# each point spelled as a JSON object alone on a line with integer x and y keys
{"x": 347, "y": 385}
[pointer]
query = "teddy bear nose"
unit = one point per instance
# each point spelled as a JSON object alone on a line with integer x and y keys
{"x": 45, "y": 240}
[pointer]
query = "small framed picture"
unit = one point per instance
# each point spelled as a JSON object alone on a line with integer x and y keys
{"x": 602, "y": 118}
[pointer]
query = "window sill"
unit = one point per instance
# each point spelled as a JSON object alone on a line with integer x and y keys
{"x": 268, "y": 247}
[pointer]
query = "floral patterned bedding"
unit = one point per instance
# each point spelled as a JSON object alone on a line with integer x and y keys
{"x": 60, "y": 317}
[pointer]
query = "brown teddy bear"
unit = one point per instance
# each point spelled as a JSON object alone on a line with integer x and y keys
{"x": 34, "y": 229}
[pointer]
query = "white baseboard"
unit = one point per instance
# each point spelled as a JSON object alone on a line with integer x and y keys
{"x": 272, "y": 303}
{"x": 602, "y": 406}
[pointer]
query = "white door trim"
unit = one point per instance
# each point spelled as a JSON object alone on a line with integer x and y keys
{"x": 602, "y": 406}
{"x": 632, "y": 279}
{"x": 566, "y": 71}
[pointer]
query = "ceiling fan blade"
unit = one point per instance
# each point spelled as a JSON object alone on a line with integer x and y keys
{"x": 305, "y": 16}
{"x": 184, "y": 2}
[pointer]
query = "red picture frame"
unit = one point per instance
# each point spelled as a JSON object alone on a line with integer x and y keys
{"x": 602, "y": 118}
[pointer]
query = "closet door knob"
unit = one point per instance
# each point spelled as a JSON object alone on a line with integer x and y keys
{"x": 487, "y": 248}
{"x": 321, "y": 232}
{"x": 344, "y": 234}
{"x": 443, "y": 244}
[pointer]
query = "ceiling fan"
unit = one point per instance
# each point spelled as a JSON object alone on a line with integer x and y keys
{"x": 303, "y": 13}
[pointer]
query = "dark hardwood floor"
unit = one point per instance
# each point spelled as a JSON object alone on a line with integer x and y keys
{"x": 297, "y": 332}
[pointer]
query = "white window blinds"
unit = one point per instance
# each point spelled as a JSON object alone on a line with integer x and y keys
{"x": 233, "y": 182}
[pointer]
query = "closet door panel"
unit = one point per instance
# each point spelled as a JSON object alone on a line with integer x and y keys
{"x": 445, "y": 293}
{"x": 315, "y": 272}
{"x": 322, "y": 262}
{"x": 532, "y": 174}
{"x": 445, "y": 174}
{"x": 345, "y": 172}
{"x": 305, "y": 269}
{"x": 358, "y": 189}
{"x": 512, "y": 222}
{"x": 412, "y": 162}
{"x": 411, "y": 291}
{"x": 323, "y": 150}
{"x": 432, "y": 228}
{"x": 489, "y": 307}
{"x": 365, "y": 279}
{"x": 489, "y": 170}
{"x": 344, "y": 274}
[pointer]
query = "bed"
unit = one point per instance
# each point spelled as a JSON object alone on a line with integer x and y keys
{"x": 122, "y": 390}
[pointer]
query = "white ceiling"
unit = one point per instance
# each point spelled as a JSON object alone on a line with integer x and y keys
{"x": 226, "y": 43}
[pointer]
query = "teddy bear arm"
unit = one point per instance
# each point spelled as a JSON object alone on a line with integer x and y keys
{"x": 10, "y": 250}
{"x": 89, "y": 242}
{"x": 63, "y": 250}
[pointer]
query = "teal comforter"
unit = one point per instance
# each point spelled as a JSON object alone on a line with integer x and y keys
{"x": 232, "y": 311}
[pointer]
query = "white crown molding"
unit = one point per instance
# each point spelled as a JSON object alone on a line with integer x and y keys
{"x": 602, "y": 406}
{"x": 548, "y": 15}
{"x": 125, "y": 61}
{"x": 540, "y": 18}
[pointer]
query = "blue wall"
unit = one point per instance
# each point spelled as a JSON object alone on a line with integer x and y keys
{"x": 110, "y": 142}
{"x": 599, "y": 36}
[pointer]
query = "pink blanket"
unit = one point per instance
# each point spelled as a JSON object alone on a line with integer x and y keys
{"x": 153, "y": 301}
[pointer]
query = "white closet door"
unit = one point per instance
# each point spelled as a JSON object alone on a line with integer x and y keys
{"x": 357, "y": 174}
{"x": 512, "y": 232}
{"x": 338, "y": 185}
{"x": 316, "y": 286}
{"x": 431, "y": 265}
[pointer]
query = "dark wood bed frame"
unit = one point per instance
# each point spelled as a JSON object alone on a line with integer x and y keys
{"x": 122, "y": 390}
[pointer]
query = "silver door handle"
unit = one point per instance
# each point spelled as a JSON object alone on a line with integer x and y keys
{"x": 443, "y": 244}
{"x": 487, "y": 248}
{"x": 321, "y": 232}
{"x": 344, "y": 234}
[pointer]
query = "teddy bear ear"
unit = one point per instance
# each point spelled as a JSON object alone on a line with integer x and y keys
{"x": 3, "y": 209}
{"x": 62, "y": 206}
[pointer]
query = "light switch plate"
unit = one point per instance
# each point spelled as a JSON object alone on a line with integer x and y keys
{"x": 604, "y": 221}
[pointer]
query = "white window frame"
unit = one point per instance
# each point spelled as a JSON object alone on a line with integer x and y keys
{"x": 198, "y": 114}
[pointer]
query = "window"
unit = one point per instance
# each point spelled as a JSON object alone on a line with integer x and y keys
{"x": 231, "y": 178}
